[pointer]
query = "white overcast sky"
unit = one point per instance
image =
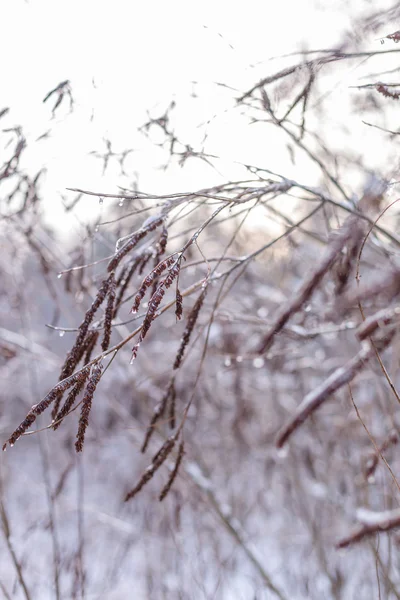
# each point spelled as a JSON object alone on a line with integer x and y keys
{"x": 139, "y": 56}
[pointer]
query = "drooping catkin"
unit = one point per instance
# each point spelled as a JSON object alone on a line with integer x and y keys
{"x": 109, "y": 314}
{"x": 92, "y": 338}
{"x": 70, "y": 401}
{"x": 122, "y": 274}
{"x": 172, "y": 404}
{"x": 87, "y": 405}
{"x": 148, "y": 281}
{"x": 85, "y": 350}
{"x": 158, "y": 413}
{"x": 160, "y": 250}
{"x": 191, "y": 322}
{"x": 386, "y": 91}
{"x": 178, "y": 305}
{"x": 133, "y": 241}
{"x": 145, "y": 259}
{"x": 76, "y": 352}
{"x": 37, "y": 409}
{"x": 174, "y": 472}
{"x": 98, "y": 301}
{"x": 56, "y": 405}
{"x": 156, "y": 463}
{"x": 154, "y": 304}
{"x": 162, "y": 242}
{"x": 123, "y": 282}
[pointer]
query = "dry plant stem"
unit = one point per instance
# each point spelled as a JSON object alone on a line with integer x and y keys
{"x": 231, "y": 525}
{"x": 348, "y": 230}
{"x": 389, "y": 285}
{"x": 373, "y": 225}
{"x": 52, "y": 516}
{"x": 382, "y": 366}
{"x": 377, "y": 450}
{"x": 333, "y": 56}
{"x": 314, "y": 399}
{"x": 299, "y": 143}
{"x": 391, "y": 584}
{"x": 44, "y": 455}
{"x": 317, "y": 193}
{"x": 5, "y": 593}
{"x": 80, "y": 518}
{"x": 376, "y": 554}
{"x": 17, "y": 564}
{"x": 376, "y": 522}
{"x": 372, "y": 463}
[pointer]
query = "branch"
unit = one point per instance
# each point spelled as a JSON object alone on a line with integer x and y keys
{"x": 371, "y": 522}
